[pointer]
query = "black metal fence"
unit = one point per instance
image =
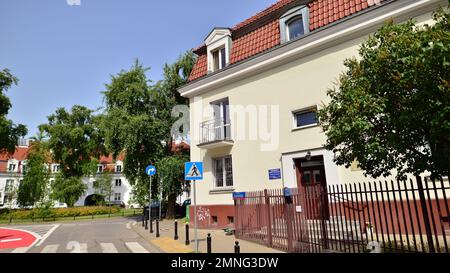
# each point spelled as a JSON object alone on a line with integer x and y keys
{"x": 382, "y": 216}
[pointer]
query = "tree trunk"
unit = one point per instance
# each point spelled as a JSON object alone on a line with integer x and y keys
{"x": 170, "y": 212}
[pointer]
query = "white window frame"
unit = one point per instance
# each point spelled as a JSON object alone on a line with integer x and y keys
{"x": 120, "y": 182}
{"x": 224, "y": 174}
{"x": 117, "y": 194}
{"x": 302, "y": 11}
{"x": 55, "y": 168}
{"x": 219, "y": 38}
{"x": 302, "y": 111}
{"x": 12, "y": 164}
{"x": 117, "y": 168}
{"x": 102, "y": 168}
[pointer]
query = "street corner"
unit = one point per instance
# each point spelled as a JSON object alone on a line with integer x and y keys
{"x": 13, "y": 238}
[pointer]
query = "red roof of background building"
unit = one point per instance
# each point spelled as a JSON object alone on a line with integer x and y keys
{"x": 266, "y": 36}
{"x": 19, "y": 154}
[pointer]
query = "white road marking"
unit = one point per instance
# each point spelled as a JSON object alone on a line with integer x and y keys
{"x": 10, "y": 240}
{"x": 136, "y": 247}
{"x": 48, "y": 234}
{"x": 129, "y": 225}
{"x": 108, "y": 248}
{"x": 50, "y": 249}
{"x": 20, "y": 250}
{"x": 76, "y": 247}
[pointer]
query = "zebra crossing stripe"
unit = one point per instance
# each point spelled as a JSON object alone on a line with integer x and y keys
{"x": 50, "y": 249}
{"x": 20, "y": 250}
{"x": 108, "y": 248}
{"x": 136, "y": 248}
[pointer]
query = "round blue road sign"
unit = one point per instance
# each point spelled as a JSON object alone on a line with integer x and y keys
{"x": 150, "y": 170}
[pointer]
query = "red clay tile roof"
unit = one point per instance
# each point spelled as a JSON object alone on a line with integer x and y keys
{"x": 321, "y": 13}
{"x": 279, "y": 4}
{"x": 19, "y": 154}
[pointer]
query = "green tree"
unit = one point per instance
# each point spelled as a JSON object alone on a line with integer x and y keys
{"x": 103, "y": 186}
{"x": 9, "y": 132}
{"x": 131, "y": 126}
{"x": 391, "y": 107}
{"x": 33, "y": 189}
{"x": 67, "y": 189}
{"x": 171, "y": 169}
{"x": 171, "y": 165}
{"x": 75, "y": 139}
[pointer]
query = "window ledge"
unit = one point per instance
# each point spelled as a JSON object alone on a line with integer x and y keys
{"x": 304, "y": 127}
{"x": 221, "y": 191}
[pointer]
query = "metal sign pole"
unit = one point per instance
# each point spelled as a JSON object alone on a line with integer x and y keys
{"x": 150, "y": 200}
{"x": 195, "y": 219}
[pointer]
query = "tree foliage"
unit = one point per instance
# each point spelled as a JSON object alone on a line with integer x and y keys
{"x": 131, "y": 126}
{"x": 103, "y": 186}
{"x": 75, "y": 140}
{"x": 67, "y": 189}
{"x": 391, "y": 107}
{"x": 9, "y": 132}
{"x": 33, "y": 189}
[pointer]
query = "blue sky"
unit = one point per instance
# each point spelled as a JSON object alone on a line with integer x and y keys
{"x": 63, "y": 55}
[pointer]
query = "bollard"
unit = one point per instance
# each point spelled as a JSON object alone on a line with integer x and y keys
{"x": 146, "y": 224}
{"x": 187, "y": 235}
{"x": 175, "y": 237}
{"x": 208, "y": 243}
{"x": 237, "y": 248}
{"x": 151, "y": 225}
{"x": 143, "y": 220}
{"x": 157, "y": 228}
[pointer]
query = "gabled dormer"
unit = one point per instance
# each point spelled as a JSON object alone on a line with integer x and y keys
{"x": 218, "y": 46}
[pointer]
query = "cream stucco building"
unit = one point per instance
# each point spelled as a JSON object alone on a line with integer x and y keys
{"x": 255, "y": 89}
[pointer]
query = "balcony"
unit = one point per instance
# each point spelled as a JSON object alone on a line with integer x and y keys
{"x": 214, "y": 134}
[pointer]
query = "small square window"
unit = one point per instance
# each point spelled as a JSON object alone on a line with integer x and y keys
{"x": 230, "y": 219}
{"x": 119, "y": 168}
{"x": 305, "y": 118}
{"x": 214, "y": 220}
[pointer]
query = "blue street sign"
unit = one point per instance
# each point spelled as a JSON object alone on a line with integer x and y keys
{"x": 274, "y": 174}
{"x": 238, "y": 195}
{"x": 193, "y": 171}
{"x": 150, "y": 170}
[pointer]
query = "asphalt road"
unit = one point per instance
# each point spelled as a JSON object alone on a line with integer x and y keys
{"x": 97, "y": 236}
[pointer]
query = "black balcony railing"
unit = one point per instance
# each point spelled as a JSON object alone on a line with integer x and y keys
{"x": 214, "y": 130}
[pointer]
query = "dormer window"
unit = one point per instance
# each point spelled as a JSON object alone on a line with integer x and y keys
{"x": 12, "y": 167}
{"x": 99, "y": 168}
{"x": 294, "y": 23}
{"x": 218, "y": 45}
{"x": 295, "y": 28}
{"x": 219, "y": 59}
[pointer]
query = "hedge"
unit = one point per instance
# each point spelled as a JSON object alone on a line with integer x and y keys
{"x": 56, "y": 213}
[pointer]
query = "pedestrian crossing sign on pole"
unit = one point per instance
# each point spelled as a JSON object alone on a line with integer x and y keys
{"x": 193, "y": 171}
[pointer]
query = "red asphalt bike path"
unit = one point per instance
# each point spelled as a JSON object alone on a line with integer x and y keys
{"x": 13, "y": 238}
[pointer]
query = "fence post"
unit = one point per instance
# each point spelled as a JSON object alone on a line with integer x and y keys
{"x": 269, "y": 224}
{"x": 323, "y": 217}
{"x": 157, "y": 227}
{"x": 187, "y": 242}
{"x": 426, "y": 217}
{"x": 175, "y": 237}
{"x": 288, "y": 219}
{"x": 208, "y": 243}
{"x": 237, "y": 248}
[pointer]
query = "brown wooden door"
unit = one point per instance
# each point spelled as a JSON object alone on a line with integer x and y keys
{"x": 312, "y": 185}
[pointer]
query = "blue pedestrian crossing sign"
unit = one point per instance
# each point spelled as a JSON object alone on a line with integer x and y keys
{"x": 193, "y": 171}
{"x": 150, "y": 170}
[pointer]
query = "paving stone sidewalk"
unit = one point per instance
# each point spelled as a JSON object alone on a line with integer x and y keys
{"x": 221, "y": 243}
